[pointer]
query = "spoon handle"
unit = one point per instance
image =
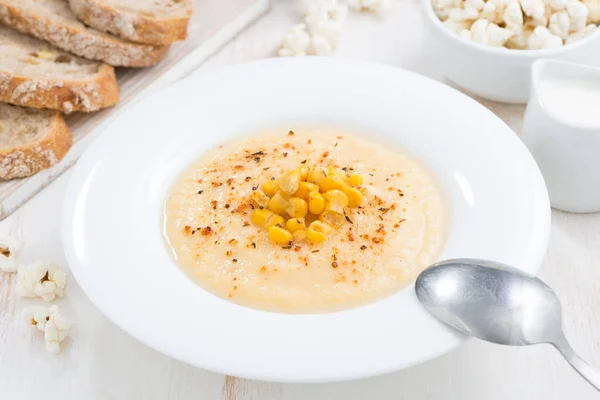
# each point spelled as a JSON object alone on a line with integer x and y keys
{"x": 579, "y": 364}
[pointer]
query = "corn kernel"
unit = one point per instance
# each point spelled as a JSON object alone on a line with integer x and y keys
{"x": 260, "y": 217}
{"x": 332, "y": 218}
{"x": 270, "y": 187}
{"x": 331, "y": 183}
{"x": 304, "y": 189}
{"x": 297, "y": 208}
{"x": 356, "y": 179}
{"x": 279, "y": 202}
{"x": 316, "y": 203}
{"x": 279, "y": 235}
{"x": 316, "y": 175}
{"x": 275, "y": 220}
{"x": 295, "y": 224}
{"x": 355, "y": 197}
{"x": 333, "y": 172}
{"x": 318, "y": 231}
{"x": 335, "y": 200}
{"x": 322, "y": 227}
{"x": 303, "y": 170}
{"x": 314, "y": 236}
{"x": 289, "y": 182}
{"x": 299, "y": 236}
{"x": 260, "y": 198}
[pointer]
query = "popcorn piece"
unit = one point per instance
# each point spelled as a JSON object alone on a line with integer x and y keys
{"x": 479, "y": 31}
{"x": 556, "y": 5}
{"x": 43, "y": 279}
{"x": 579, "y": 14}
{"x": 533, "y": 8}
{"x": 538, "y": 38}
{"x": 513, "y": 17}
{"x": 560, "y": 24}
{"x": 457, "y": 26}
{"x": 576, "y": 36}
{"x": 519, "y": 41}
{"x": 378, "y": 6}
{"x": 442, "y": 13}
{"x": 321, "y": 32}
{"x": 48, "y": 320}
{"x": 319, "y": 46}
{"x": 489, "y": 12}
{"x": 9, "y": 254}
{"x": 485, "y": 32}
{"x": 549, "y": 13}
{"x": 466, "y": 34}
{"x": 475, "y": 4}
{"x": 339, "y": 12}
{"x": 497, "y": 36}
{"x": 463, "y": 14}
{"x": 55, "y": 331}
{"x": 328, "y": 29}
{"x": 331, "y": 8}
{"x": 443, "y": 7}
{"x": 296, "y": 42}
{"x": 542, "y": 38}
{"x": 316, "y": 16}
{"x": 493, "y": 12}
{"x": 37, "y": 316}
{"x": 502, "y": 3}
{"x": 594, "y": 11}
{"x": 553, "y": 42}
{"x": 535, "y": 22}
{"x": 326, "y": 10}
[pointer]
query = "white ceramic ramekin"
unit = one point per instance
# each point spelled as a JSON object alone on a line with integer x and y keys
{"x": 495, "y": 73}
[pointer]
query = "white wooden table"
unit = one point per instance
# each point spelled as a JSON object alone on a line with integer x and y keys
{"x": 102, "y": 362}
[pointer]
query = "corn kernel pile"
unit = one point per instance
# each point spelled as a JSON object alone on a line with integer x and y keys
{"x": 305, "y": 204}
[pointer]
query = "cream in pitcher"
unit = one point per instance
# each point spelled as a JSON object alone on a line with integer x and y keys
{"x": 562, "y": 130}
{"x": 573, "y": 100}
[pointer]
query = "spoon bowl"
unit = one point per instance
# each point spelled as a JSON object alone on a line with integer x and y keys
{"x": 491, "y": 301}
{"x": 499, "y": 304}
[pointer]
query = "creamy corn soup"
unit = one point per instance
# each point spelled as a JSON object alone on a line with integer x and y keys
{"x": 391, "y": 228}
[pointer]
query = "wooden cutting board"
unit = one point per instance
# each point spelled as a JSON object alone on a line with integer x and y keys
{"x": 214, "y": 23}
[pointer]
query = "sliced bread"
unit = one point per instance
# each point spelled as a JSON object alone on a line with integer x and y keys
{"x": 145, "y": 21}
{"x": 30, "y": 140}
{"x": 35, "y": 74}
{"x": 53, "y": 21}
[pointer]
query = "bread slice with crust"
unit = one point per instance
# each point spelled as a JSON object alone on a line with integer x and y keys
{"x": 53, "y": 21}
{"x": 30, "y": 140}
{"x": 145, "y": 21}
{"x": 35, "y": 74}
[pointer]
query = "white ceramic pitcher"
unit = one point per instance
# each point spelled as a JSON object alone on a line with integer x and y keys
{"x": 567, "y": 150}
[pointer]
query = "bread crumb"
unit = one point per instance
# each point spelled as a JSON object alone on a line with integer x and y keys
{"x": 67, "y": 107}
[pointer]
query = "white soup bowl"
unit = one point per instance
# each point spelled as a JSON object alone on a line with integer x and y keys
{"x": 113, "y": 239}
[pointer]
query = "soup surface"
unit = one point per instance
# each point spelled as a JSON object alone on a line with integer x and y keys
{"x": 380, "y": 248}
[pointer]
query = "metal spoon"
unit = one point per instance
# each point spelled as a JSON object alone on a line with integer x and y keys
{"x": 498, "y": 303}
